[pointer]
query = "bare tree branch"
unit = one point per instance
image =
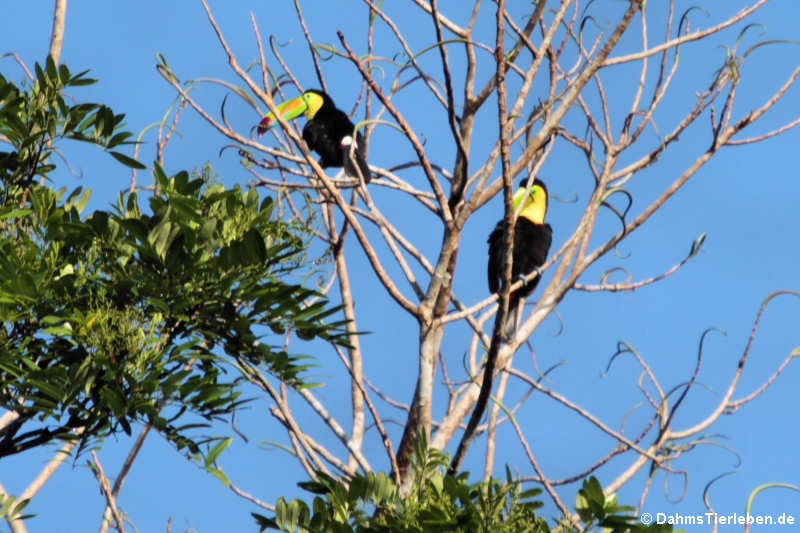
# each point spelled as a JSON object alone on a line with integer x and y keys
{"x": 559, "y": 61}
{"x": 57, "y": 34}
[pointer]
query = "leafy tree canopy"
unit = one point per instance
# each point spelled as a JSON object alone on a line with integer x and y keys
{"x": 135, "y": 313}
{"x": 439, "y": 502}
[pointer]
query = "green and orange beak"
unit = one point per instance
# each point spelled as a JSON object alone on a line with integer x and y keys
{"x": 289, "y": 110}
{"x": 519, "y": 196}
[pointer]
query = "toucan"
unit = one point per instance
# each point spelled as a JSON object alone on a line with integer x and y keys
{"x": 532, "y": 239}
{"x": 329, "y": 132}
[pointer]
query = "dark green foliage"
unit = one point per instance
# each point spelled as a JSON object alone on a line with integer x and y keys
{"x": 32, "y": 120}
{"x": 133, "y": 315}
{"x": 602, "y": 513}
{"x": 439, "y": 503}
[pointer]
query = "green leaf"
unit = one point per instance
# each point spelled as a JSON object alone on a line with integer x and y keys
{"x": 64, "y": 74}
{"x": 127, "y": 160}
{"x": 263, "y": 522}
{"x": 52, "y": 73}
{"x": 215, "y": 452}
{"x": 219, "y": 474}
{"x": 119, "y": 138}
{"x": 82, "y": 199}
{"x": 58, "y": 330}
{"x": 697, "y": 244}
{"x": 10, "y": 212}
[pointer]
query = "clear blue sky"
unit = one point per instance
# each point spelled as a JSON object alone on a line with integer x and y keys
{"x": 746, "y": 201}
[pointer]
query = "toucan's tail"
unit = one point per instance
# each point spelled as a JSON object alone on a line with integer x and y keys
{"x": 357, "y": 164}
{"x": 362, "y": 165}
{"x": 515, "y": 308}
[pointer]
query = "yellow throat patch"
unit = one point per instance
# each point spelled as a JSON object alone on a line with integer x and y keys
{"x": 314, "y": 102}
{"x": 534, "y": 203}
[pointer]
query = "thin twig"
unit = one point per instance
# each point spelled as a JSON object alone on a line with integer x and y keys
{"x": 106, "y": 489}
{"x": 686, "y": 38}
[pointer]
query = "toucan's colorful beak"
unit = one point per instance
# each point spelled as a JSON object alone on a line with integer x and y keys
{"x": 519, "y": 197}
{"x": 288, "y": 110}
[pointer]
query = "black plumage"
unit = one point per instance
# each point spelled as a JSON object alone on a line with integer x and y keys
{"x": 327, "y": 131}
{"x": 531, "y": 244}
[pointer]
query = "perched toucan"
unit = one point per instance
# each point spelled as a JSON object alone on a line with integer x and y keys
{"x": 329, "y": 131}
{"x": 532, "y": 238}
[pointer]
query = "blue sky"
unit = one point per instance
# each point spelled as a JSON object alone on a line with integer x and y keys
{"x": 745, "y": 200}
